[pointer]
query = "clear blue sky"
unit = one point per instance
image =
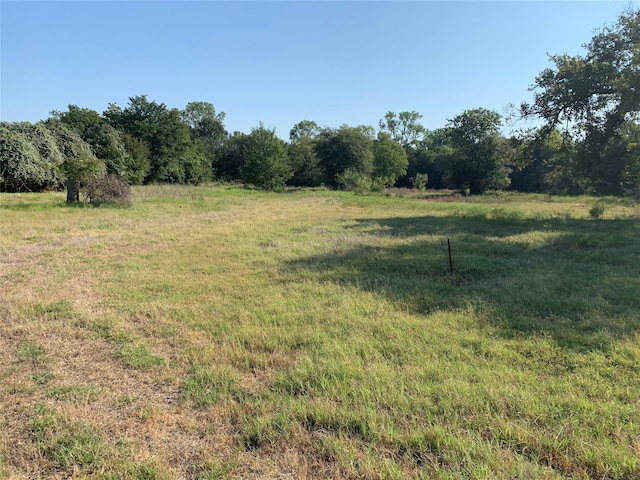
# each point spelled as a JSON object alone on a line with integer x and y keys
{"x": 282, "y": 62}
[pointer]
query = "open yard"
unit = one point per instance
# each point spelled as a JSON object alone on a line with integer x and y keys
{"x": 217, "y": 332}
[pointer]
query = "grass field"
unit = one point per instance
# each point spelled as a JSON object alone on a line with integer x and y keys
{"x": 217, "y": 332}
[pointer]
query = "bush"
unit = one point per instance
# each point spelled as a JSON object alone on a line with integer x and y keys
{"x": 419, "y": 181}
{"x": 109, "y": 189}
{"x": 354, "y": 181}
{"x": 597, "y": 209}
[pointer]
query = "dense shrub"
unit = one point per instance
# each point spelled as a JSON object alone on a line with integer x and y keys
{"x": 109, "y": 189}
{"x": 419, "y": 181}
{"x": 353, "y": 180}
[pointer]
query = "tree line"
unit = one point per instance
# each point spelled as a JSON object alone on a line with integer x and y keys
{"x": 588, "y": 140}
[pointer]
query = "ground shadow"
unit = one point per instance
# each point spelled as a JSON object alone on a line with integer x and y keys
{"x": 577, "y": 280}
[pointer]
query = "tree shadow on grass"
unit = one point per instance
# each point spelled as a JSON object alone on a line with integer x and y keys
{"x": 576, "y": 280}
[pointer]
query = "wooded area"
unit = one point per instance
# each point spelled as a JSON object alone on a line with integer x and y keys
{"x": 588, "y": 140}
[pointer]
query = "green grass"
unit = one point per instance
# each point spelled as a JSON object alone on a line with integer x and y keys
{"x": 217, "y": 332}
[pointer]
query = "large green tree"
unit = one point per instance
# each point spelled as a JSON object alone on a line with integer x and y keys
{"x": 429, "y": 157}
{"x": 476, "y": 163}
{"x": 594, "y": 96}
{"x": 207, "y": 128}
{"x": 107, "y": 143}
{"x": 22, "y": 166}
{"x": 266, "y": 162}
{"x": 231, "y": 160}
{"x": 389, "y": 160}
{"x": 42, "y": 170}
{"x": 345, "y": 150}
{"x": 80, "y": 164}
{"x": 174, "y": 157}
{"x": 403, "y": 127}
{"x": 304, "y": 129}
{"x": 80, "y": 170}
{"x": 302, "y": 155}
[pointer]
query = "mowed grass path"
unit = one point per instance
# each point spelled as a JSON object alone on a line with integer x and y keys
{"x": 213, "y": 332}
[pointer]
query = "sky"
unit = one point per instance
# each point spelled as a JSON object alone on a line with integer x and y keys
{"x": 332, "y": 62}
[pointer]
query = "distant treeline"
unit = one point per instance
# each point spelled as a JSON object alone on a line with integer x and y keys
{"x": 588, "y": 140}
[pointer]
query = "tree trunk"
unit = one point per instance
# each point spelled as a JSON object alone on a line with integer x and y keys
{"x": 73, "y": 194}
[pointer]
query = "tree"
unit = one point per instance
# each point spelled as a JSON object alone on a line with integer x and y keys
{"x": 593, "y": 96}
{"x": 79, "y": 172}
{"x": 548, "y": 164}
{"x": 304, "y": 129}
{"x": 79, "y": 164}
{"x": 172, "y": 153}
{"x": 195, "y": 114}
{"x": 302, "y": 155}
{"x": 207, "y": 128}
{"x": 475, "y": 163}
{"x": 138, "y": 159}
{"x": 403, "y": 127}
{"x": 429, "y": 157}
{"x": 30, "y": 172}
{"x": 630, "y": 139}
{"x": 266, "y": 162}
{"x": 21, "y": 166}
{"x": 230, "y": 162}
{"x": 342, "y": 149}
{"x": 389, "y": 160}
{"x": 107, "y": 143}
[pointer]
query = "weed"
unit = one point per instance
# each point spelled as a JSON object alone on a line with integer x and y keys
{"x": 30, "y": 351}
{"x": 80, "y": 394}
{"x": 43, "y": 378}
{"x": 207, "y": 386}
{"x": 139, "y": 357}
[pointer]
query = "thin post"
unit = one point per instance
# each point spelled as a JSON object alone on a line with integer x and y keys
{"x": 450, "y": 262}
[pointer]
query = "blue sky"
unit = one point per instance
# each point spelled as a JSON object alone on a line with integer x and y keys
{"x": 282, "y": 62}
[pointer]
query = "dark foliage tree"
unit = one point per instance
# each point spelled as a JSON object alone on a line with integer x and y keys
{"x": 266, "y": 162}
{"x": 107, "y": 143}
{"x": 138, "y": 159}
{"x": 342, "y": 149}
{"x": 302, "y": 155}
{"x": 548, "y": 165}
{"x": 593, "y": 97}
{"x": 429, "y": 157}
{"x": 304, "y": 129}
{"x": 231, "y": 159}
{"x": 389, "y": 161}
{"x": 174, "y": 158}
{"x": 475, "y": 163}
{"x": 207, "y": 128}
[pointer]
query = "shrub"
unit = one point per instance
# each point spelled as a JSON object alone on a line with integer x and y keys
{"x": 353, "y": 180}
{"x": 109, "y": 189}
{"x": 597, "y": 210}
{"x": 419, "y": 181}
